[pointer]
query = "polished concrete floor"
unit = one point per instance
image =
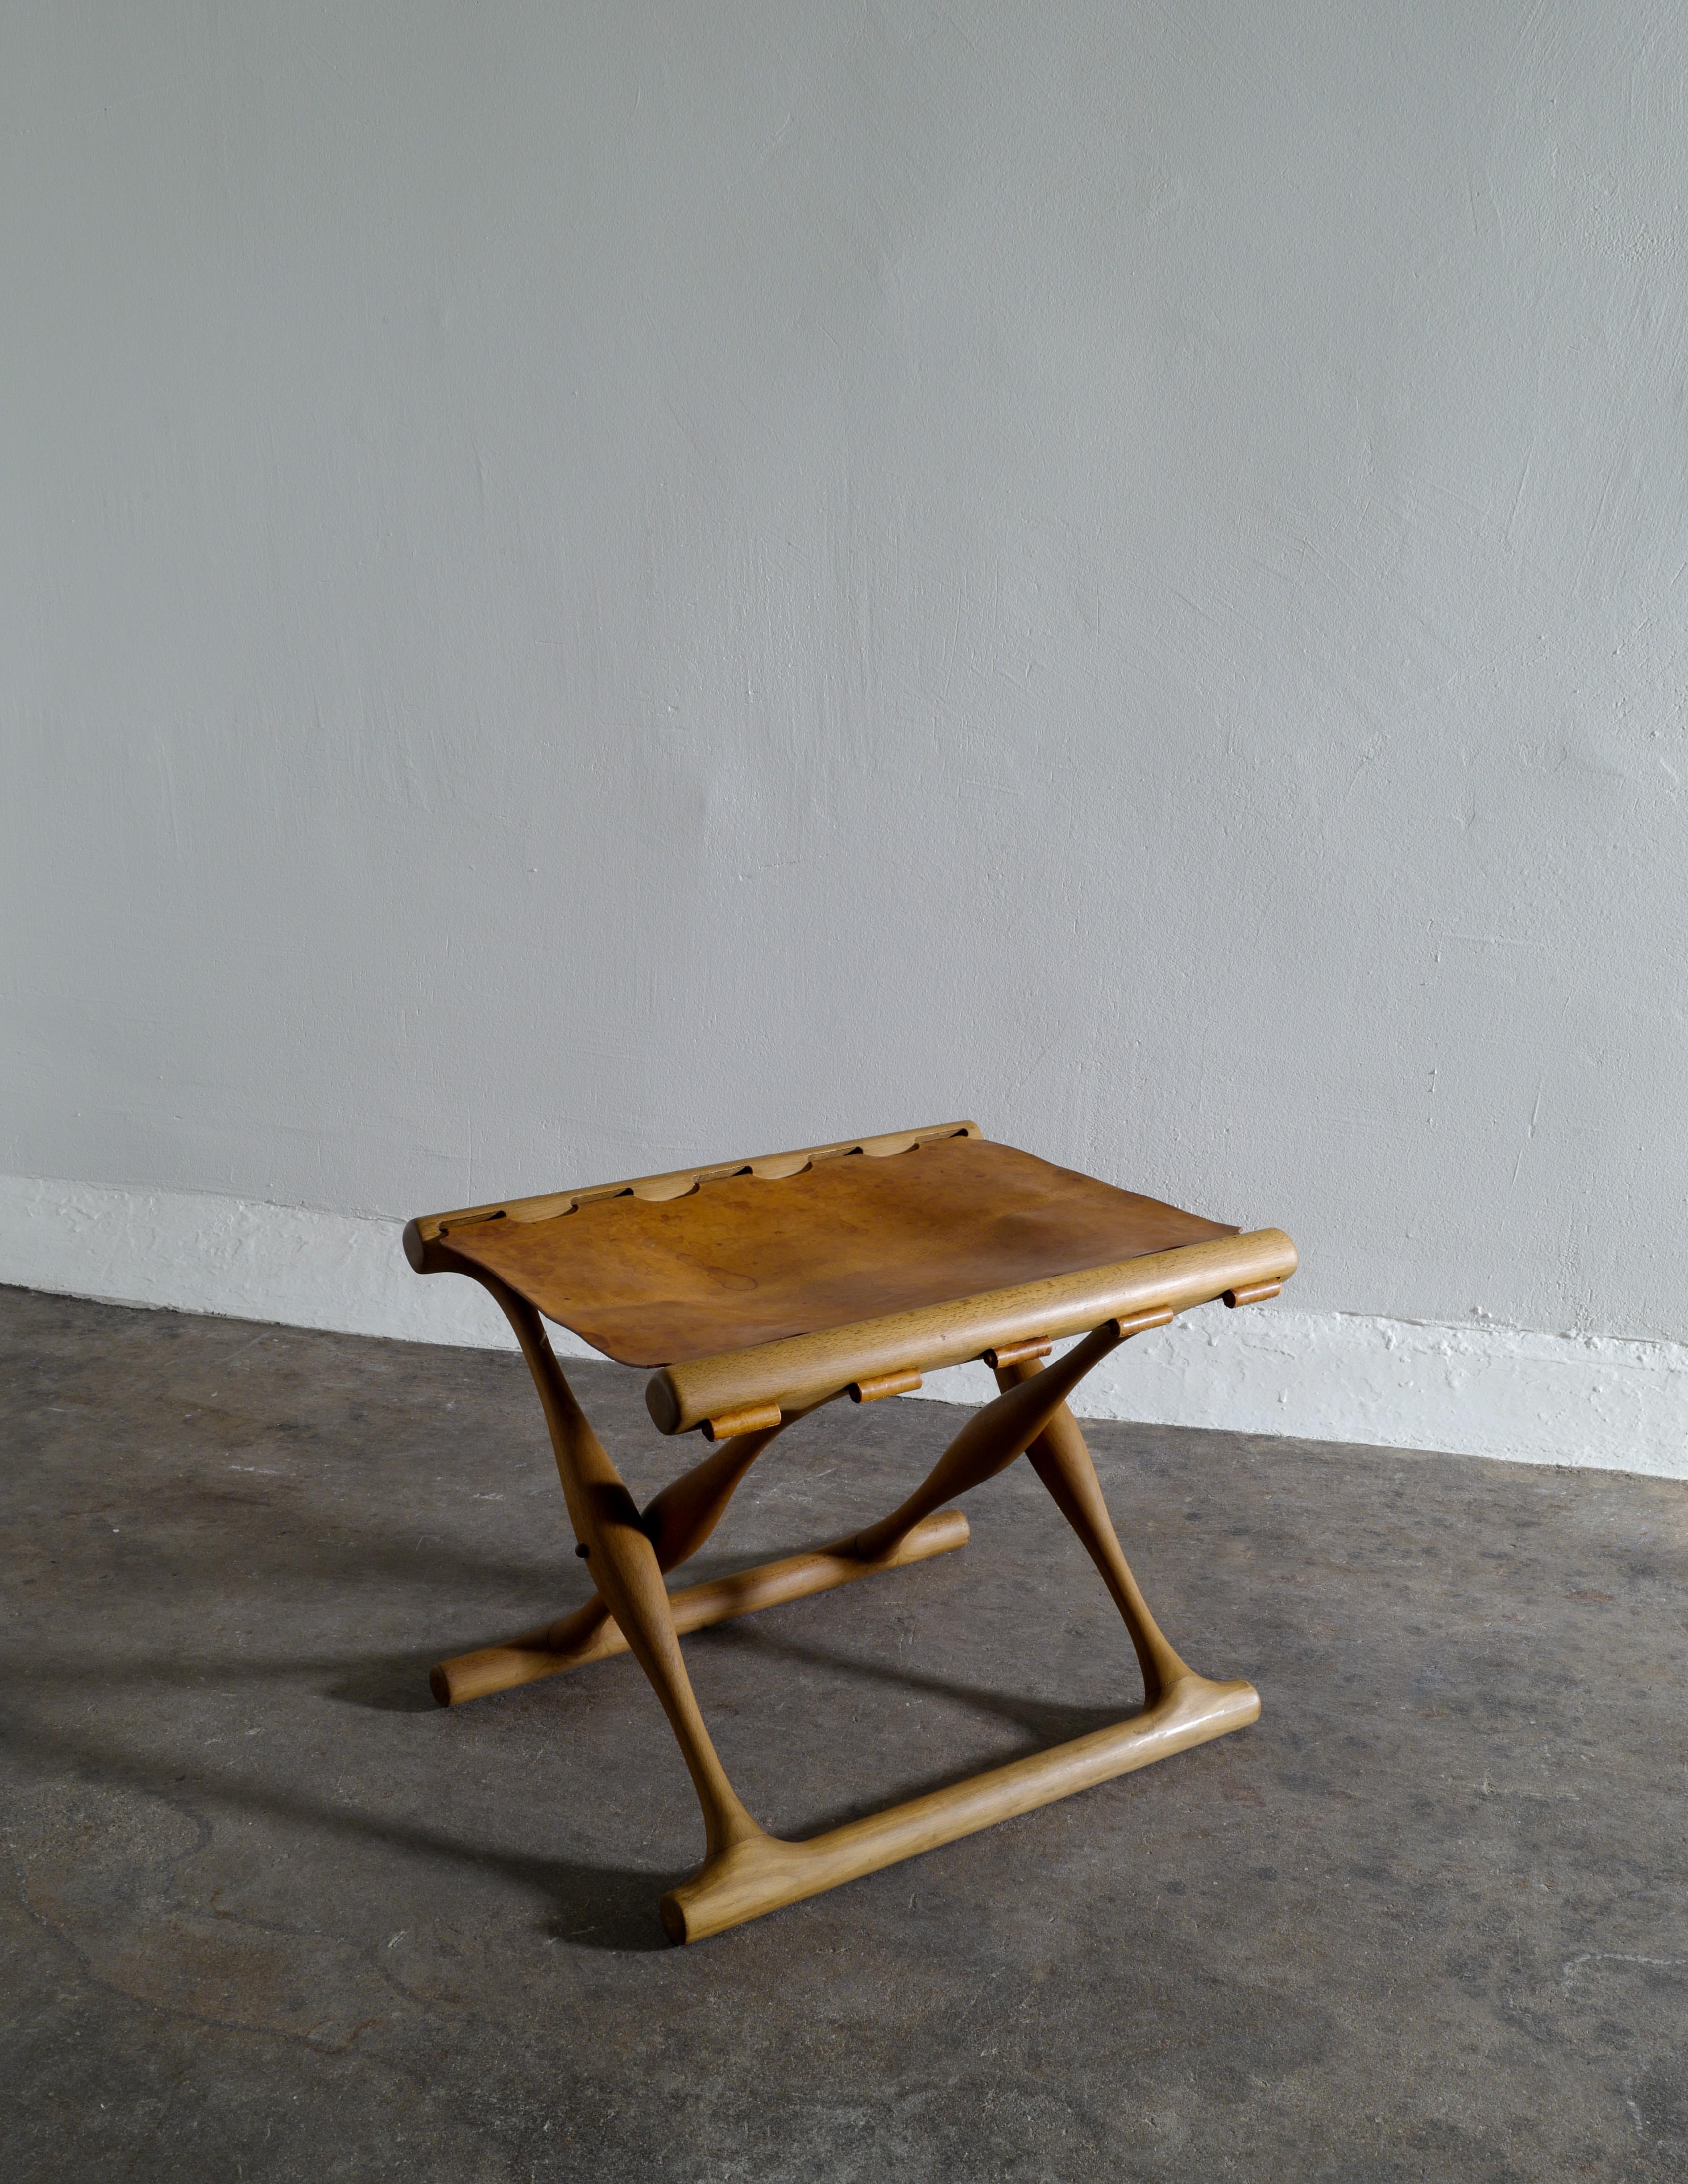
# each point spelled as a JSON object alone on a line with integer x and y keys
{"x": 271, "y": 1914}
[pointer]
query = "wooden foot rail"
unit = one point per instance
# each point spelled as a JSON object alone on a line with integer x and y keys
{"x": 525, "y": 1660}
{"x": 766, "y": 1872}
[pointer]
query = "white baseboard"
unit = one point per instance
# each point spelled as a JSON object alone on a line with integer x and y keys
{"x": 240, "y": 1258}
{"x": 1596, "y": 1401}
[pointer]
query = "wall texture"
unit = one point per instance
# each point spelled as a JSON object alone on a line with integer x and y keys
{"x": 587, "y": 586}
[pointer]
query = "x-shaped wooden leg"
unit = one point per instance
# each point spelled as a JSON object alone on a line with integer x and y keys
{"x": 746, "y": 1870}
{"x": 676, "y": 1524}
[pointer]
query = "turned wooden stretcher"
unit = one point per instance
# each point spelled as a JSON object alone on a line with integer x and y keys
{"x": 762, "y": 1289}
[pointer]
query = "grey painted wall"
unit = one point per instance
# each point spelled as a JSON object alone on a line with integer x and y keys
{"x": 590, "y": 585}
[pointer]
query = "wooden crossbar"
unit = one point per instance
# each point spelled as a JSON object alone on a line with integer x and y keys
{"x": 534, "y": 1655}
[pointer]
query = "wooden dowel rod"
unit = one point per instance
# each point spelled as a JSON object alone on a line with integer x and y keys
{"x": 767, "y": 1872}
{"x": 889, "y": 1383}
{"x": 527, "y": 1659}
{"x": 733, "y": 1425}
{"x": 1016, "y": 1353}
{"x": 802, "y": 1370}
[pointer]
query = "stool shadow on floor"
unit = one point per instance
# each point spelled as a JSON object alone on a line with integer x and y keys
{"x": 586, "y": 1905}
{"x": 610, "y": 1907}
{"x": 390, "y": 1683}
{"x": 1043, "y": 1722}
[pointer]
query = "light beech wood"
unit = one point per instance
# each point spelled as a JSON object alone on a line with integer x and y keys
{"x": 888, "y": 1384}
{"x": 806, "y": 1369}
{"x": 755, "y": 1417}
{"x": 676, "y": 1524}
{"x": 538, "y": 1654}
{"x": 624, "y": 1565}
{"x": 1016, "y": 1353}
{"x": 764, "y": 1872}
{"x": 1061, "y": 1460}
{"x": 744, "y": 1398}
{"x": 994, "y": 1436}
{"x": 682, "y": 1517}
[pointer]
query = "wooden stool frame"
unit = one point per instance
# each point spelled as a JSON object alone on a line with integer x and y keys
{"x": 743, "y": 1400}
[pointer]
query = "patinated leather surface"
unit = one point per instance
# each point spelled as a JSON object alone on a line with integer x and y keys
{"x": 745, "y": 1259}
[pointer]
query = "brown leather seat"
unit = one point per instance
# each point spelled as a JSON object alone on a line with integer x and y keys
{"x": 741, "y": 1258}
